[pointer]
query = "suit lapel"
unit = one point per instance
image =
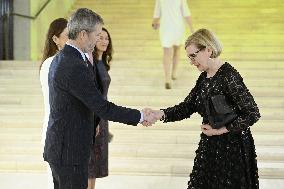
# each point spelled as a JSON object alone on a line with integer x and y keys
{"x": 92, "y": 68}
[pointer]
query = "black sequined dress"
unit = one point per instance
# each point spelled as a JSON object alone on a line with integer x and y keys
{"x": 226, "y": 161}
{"x": 98, "y": 164}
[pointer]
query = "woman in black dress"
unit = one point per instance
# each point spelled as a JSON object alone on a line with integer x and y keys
{"x": 98, "y": 164}
{"x": 226, "y": 157}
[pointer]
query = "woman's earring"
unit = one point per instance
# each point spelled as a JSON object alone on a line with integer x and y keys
{"x": 211, "y": 56}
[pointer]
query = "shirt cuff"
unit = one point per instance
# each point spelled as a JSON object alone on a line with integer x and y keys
{"x": 142, "y": 117}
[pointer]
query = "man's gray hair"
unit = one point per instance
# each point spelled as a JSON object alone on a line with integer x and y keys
{"x": 82, "y": 19}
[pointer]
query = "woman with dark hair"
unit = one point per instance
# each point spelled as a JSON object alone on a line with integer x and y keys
{"x": 102, "y": 56}
{"x": 55, "y": 40}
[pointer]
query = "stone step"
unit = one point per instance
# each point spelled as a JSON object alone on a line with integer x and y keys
{"x": 119, "y": 67}
{"x": 146, "y": 136}
{"x": 267, "y": 114}
{"x": 134, "y": 166}
{"x": 137, "y": 150}
{"x": 263, "y": 84}
{"x": 32, "y": 76}
{"x": 141, "y": 63}
{"x": 182, "y": 167}
{"x": 267, "y": 126}
{"x": 35, "y": 105}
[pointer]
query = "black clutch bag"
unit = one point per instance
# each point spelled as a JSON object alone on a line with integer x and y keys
{"x": 219, "y": 111}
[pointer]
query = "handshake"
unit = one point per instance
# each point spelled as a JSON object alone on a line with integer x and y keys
{"x": 151, "y": 116}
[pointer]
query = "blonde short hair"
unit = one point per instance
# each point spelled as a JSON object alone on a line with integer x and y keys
{"x": 203, "y": 38}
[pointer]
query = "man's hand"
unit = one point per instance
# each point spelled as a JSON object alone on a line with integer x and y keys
{"x": 150, "y": 117}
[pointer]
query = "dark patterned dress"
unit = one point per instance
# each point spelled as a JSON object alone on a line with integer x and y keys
{"x": 226, "y": 161}
{"x": 98, "y": 164}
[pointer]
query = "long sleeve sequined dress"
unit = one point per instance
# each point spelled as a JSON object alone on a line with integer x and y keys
{"x": 227, "y": 161}
{"x": 98, "y": 164}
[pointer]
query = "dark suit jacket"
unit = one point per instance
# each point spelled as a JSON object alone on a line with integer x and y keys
{"x": 74, "y": 100}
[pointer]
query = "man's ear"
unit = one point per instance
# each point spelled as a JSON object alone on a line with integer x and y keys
{"x": 83, "y": 33}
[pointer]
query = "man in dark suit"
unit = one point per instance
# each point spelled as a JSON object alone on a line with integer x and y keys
{"x": 76, "y": 104}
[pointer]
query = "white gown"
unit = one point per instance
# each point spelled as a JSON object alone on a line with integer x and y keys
{"x": 45, "y": 91}
{"x": 171, "y": 14}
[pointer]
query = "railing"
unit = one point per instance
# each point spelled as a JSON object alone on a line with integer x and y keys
{"x": 6, "y": 27}
{"x": 6, "y": 30}
{"x": 36, "y": 15}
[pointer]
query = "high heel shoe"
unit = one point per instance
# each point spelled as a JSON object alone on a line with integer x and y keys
{"x": 168, "y": 86}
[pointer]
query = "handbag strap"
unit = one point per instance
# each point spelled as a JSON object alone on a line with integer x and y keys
{"x": 207, "y": 109}
{"x": 207, "y": 102}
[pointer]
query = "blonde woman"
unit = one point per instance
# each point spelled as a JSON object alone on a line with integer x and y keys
{"x": 226, "y": 156}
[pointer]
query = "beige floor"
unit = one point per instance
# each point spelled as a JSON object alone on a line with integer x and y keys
{"x": 38, "y": 180}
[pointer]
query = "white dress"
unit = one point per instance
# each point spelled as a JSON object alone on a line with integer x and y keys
{"x": 45, "y": 91}
{"x": 171, "y": 14}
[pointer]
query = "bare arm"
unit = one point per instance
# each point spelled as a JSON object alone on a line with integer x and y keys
{"x": 188, "y": 21}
